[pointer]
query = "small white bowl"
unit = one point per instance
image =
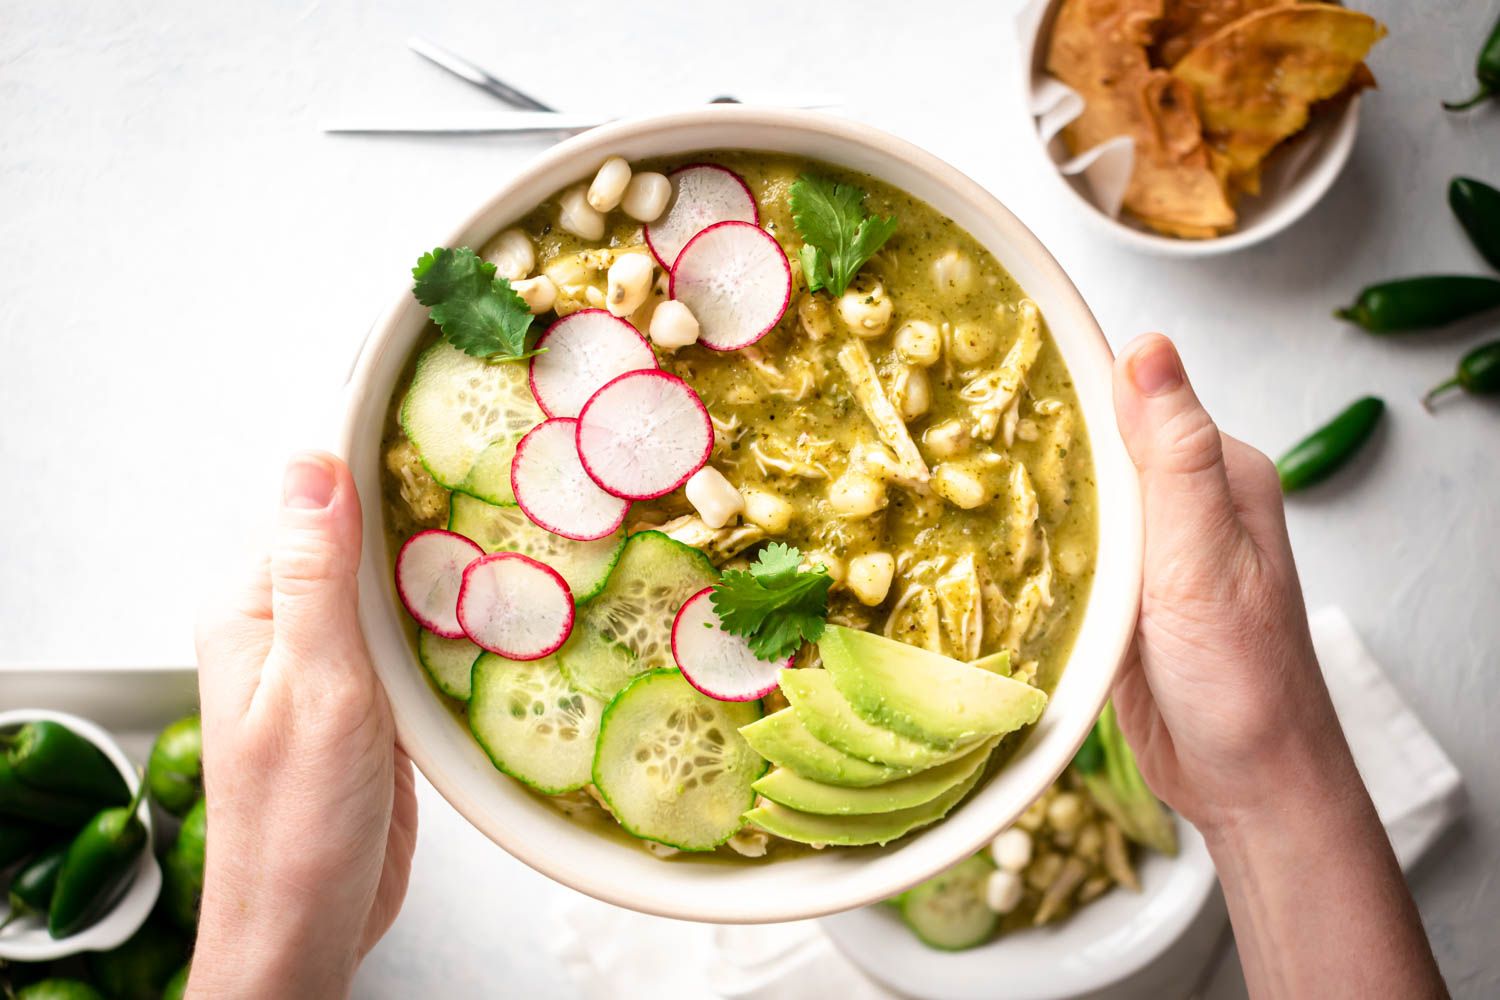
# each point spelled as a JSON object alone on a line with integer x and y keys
{"x": 1110, "y": 944}
{"x": 818, "y": 882}
{"x": 27, "y": 940}
{"x": 1295, "y": 179}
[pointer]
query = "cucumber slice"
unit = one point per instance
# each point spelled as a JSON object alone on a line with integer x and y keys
{"x": 922, "y": 695}
{"x": 533, "y": 724}
{"x": 856, "y": 831}
{"x": 796, "y": 792}
{"x": 948, "y": 911}
{"x": 489, "y": 479}
{"x": 828, "y": 715}
{"x": 672, "y": 764}
{"x": 782, "y": 739}
{"x": 585, "y": 566}
{"x": 627, "y": 629}
{"x": 458, "y": 405}
{"x": 448, "y": 662}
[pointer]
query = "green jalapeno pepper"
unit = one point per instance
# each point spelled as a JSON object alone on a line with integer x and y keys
{"x": 1477, "y": 207}
{"x": 51, "y": 757}
{"x": 1326, "y": 450}
{"x": 1487, "y": 69}
{"x": 141, "y": 967}
{"x": 59, "y": 989}
{"x": 98, "y": 862}
{"x": 31, "y": 888}
{"x": 176, "y": 988}
{"x": 20, "y": 800}
{"x": 18, "y": 839}
{"x": 1421, "y": 303}
{"x": 1478, "y": 374}
{"x": 182, "y": 869}
{"x": 175, "y": 768}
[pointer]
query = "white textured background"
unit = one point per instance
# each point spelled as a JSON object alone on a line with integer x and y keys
{"x": 187, "y": 266}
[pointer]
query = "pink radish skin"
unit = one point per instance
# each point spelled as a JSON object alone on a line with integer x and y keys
{"x": 702, "y": 194}
{"x": 736, "y": 281}
{"x": 715, "y": 662}
{"x": 429, "y": 574}
{"x": 584, "y": 350}
{"x": 643, "y": 435}
{"x": 553, "y": 489}
{"x": 515, "y": 606}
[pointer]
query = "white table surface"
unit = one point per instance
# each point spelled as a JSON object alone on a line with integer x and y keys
{"x": 187, "y": 266}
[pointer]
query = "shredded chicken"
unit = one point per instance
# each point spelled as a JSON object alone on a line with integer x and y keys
{"x": 786, "y": 463}
{"x": 997, "y": 609}
{"x": 961, "y": 599}
{"x": 915, "y": 620}
{"x": 750, "y": 843}
{"x": 854, "y": 358}
{"x": 1021, "y": 522}
{"x": 1051, "y": 468}
{"x": 992, "y": 394}
{"x": 425, "y": 500}
{"x": 719, "y": 544}
{"x": 726, "y": 430}
{"x": 1035, "y": 596}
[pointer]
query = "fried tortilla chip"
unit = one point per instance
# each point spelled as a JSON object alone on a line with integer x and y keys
{"x": 1098, "y": 48}
{"x": 1186, "y": 23}
{"x": 1256, "y": 79}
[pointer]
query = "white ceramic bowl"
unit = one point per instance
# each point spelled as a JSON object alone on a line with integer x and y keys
{"x": 1145, "y": 944}
{"x": 28, "y": 940}
{"x": 1295, "y": 179}
{"x": 823, "y": 882}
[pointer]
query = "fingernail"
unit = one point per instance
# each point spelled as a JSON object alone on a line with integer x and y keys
{"x": 308, "y": 484}
{"x": 1157, "y": 370}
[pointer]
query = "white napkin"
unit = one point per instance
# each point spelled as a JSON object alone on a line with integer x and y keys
{"x": 1416, "y": 789}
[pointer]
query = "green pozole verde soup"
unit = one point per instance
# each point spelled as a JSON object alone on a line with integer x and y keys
{"x": 915, "y": 434}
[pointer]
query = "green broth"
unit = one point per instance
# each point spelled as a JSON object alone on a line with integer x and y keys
{"x": 805, "y": 414}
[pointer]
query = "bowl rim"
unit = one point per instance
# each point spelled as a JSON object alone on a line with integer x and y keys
{"x": 1337, "y": 135}
{"x": 853, "y": 884}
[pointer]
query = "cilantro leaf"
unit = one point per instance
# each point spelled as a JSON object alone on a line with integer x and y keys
{"x": 477, "y": 311}
{"x": 838, "y": 238}
{"x": 775, "y": 606}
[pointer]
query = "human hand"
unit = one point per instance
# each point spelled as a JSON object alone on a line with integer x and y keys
{"x": 311, "y": 805}
{"x": 1222, "y": 700}
{"x": 1231, "y": 723}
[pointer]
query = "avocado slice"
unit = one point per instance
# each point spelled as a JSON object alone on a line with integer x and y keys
{"x": 789, "y": 789}
{"x": 782, "y": 739}
{"x": 995, "y": 663}
{"x": 922, "y": 695}
{"x": 855, "y": 831}
{"x": 831, "y": 719}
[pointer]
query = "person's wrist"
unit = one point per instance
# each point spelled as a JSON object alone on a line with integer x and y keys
{"x": 1306, "y": 776}
{"x": 249, "y": 946}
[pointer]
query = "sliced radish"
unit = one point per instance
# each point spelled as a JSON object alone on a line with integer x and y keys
{"x": 702, "y": 194}
{"x": 643, "y": 435}
{"x": 736, "y": 281}
{"x": 429, "y": 572}
{"x": 583, "y": 351}
{"x": 715, "y": 662}
{"x": 553, "y": 490}
{"x": 515, "y": 606}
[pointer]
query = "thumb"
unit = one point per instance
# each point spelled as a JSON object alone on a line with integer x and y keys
{"x": 314, "y": 558}
{"x": 1175, "y": 445}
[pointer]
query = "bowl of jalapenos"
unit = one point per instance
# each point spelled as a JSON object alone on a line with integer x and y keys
{"x": 75, "y": 839}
